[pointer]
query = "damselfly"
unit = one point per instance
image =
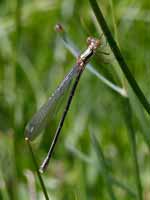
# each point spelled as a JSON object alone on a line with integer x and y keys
{"x": 41, "y": 117}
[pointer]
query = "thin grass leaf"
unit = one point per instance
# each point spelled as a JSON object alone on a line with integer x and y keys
{"x": 4, "y": 190}
{"x": 31, "y": 184}
{"x": 32, "y": 77}
{"x": 137, "y": 14}
{"x": 84, "y": 158}
{"x": 103, "y": 164}
{"x": 82, "y": 182}
{"x": 27, "y": 10}
{"x": 114, "y": 20}
{"x": 27, "y": 68}
{"x": 128, "y": 120}
{"x": 78, "y": 154}
{"x": 118, "y": 56}
{"x": 124, "y": 187}
{"x": 37, "y": 171}
{"x": 18, "y": 22}
{"x": 7, "y": 167}
{"x": 139, "y": 112}
{"x": 15, "y": 53}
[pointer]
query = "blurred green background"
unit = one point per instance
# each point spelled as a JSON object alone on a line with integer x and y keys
{"x": 95, "y": 157}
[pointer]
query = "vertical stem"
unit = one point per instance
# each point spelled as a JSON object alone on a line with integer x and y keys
{"x": 18, "y": 18}
{"x": 37, "y": 171}
{"x": 119, "y": 57}
{"x": 128, "y": 120}
{"x": 102, "y": 162}
{"x": 16, "y": 45}
{"x": 15, "y": 54}
{"x": 18, "y": 31}
{"x": 114, "y": 21}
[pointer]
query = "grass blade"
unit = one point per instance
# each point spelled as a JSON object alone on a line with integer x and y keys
{"x": 139, "y": 112}
{"x": 85, "y": 158}
{"x": 37, "y": 171}
{"x": 128, "y": 120}
{"x": 102, "y": 162}
{"x": 118, "y": 56}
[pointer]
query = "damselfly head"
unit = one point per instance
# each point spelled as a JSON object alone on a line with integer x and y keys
{"x": 59, "y": 28}
{"x": 93, "y": 43}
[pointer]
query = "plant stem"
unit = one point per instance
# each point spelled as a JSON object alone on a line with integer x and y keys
{"x": 128, "y": 120}
{"x": 102, "y": 162}
{"x": 85, "y": 158}
{"x": 118, "y": 56}
{"x": 17, "y": 16}
{"x": 37, "y": 171}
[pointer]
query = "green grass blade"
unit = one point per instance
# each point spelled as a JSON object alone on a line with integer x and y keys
{"x": 128, "y": 120}
{"x": 119, "y": 56}
{"x": 80, "y": 155}
{"x": 102, "y": 162}
{"x": 139, "y": 112}
{"x": 37, "y": 171}
{"x": 124, "y": 187}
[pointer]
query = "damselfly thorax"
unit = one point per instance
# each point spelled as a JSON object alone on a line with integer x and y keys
{"x": 93, "y": 44}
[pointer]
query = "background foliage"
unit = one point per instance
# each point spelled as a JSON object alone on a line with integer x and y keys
{"x": 95, "y": 157}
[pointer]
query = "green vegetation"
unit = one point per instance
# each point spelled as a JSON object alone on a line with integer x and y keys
{"x": 103, "y": 149}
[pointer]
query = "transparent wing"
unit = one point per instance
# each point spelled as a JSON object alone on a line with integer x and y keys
{"x": 43, "y": 115}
